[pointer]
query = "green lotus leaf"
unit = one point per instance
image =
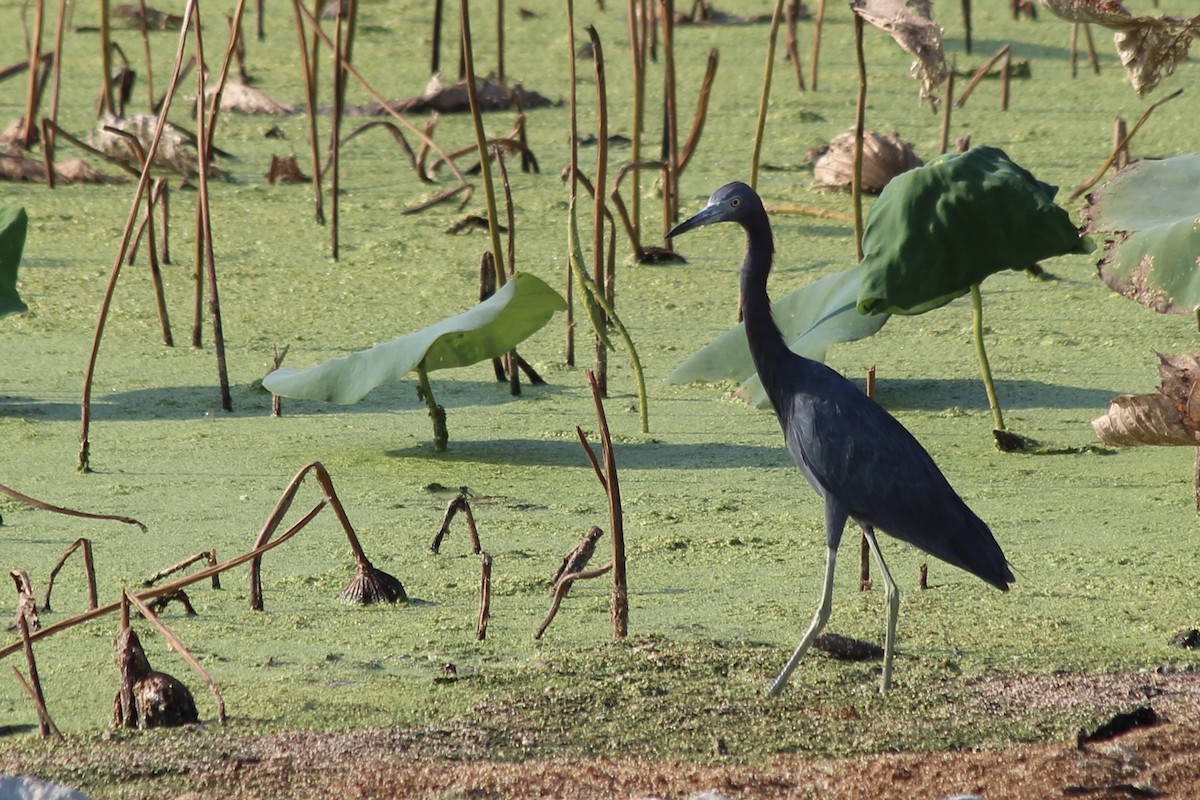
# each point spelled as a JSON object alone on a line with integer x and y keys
{"x": 939, "y": 229}
{"x": 489, "y": 330}
{"x": 14, "y": 224}
{"x": 810, "y": 318}
{"x": 1147, "y": 215}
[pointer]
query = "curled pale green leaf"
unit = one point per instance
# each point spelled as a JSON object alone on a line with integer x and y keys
{"x": 14, "y": 224}
{"x": 1147, "y": 215}
{"x": 937, "y": 230}
{"x": 515, "y": 312}
{"x": 810, "y": 318}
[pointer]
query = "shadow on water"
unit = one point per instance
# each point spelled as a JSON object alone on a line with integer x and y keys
{"x": 920, "y": 394}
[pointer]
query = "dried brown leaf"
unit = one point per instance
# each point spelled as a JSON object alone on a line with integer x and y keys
{"x": 238, "y": 98}
{"x": 1170, "y": 417}
{"x": 884, "y": 157}
{"x": 910, "y": 23}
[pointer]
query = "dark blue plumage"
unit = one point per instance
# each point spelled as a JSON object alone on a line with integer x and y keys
{"x": 864, "y": 464}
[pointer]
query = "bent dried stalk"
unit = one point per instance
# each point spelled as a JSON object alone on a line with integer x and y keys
{"x": 207, "y": 556}
{"x": 34, "y": 685}
{"x": 620, "y": 591}
{"x": 560, "y": 592}
{"x": 24, "y": 498}
{"x": 27, "y": 616}
{"x": 89, "y": 568}
{"x": 485, "y": 596}
{"x": 459, "y": 503}
{"x": 1122, "y": 146}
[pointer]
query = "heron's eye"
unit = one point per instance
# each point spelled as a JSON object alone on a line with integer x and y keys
{"x": 735, "y": 202}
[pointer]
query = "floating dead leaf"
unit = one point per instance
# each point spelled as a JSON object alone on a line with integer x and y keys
{"x": 1170, "y": 417}
{"x": 174, "y": 148}
{"x": 238, "y": 98}
{"x": 492, "y": 94}
{"x": 910, "y": 23}
{"x": 1150, "y": 47}
{"x": 884, "y": 157}
{"x": 285, "y": 170}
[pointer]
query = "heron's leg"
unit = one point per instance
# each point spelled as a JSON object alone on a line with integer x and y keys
{"x": 892, "y": 594}
{"x": 814, "y": 629}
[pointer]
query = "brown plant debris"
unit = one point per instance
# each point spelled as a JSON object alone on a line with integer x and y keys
{"x": 492, "y": 94}
{"x": 910, "y": 23}
{"x": 174, "y": 148}
{"x": 884, "y": 157}
{"x": 148, "y": 699}
{"x": 1170, "y": 417}
{"x": 1150, "y": 48}
{"x": 285, "y": 170}
{"x": 846, "y": 648}
{"x": 135, "y": 14}
{"x": 26, "y": 604}
{"x": 371, "y": 585}
{"x": 238, "y": 98}
{"x": 75, "y": 170}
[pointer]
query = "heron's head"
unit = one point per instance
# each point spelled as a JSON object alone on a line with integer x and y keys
{"x": 733, "y": 202}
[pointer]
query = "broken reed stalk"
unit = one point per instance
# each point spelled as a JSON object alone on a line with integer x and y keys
{"x": 485, "y": 596}
{"x": 499, "y": 48}
{"x": 32, "y": 100}
{"x": 42, "y": 712}
{"x": 572, "y": 189}
{"x": 106, "y": 105}
{"x": 627, "y": 219}
{"x": 276, "y": 363}
{"x": 146, "y": 52}
{"x": 765, "y": 95}
{"x": 860, "y": 112}
{"x": 816, "y": 46}
{"x": 335, "y": 130}
{"x": 207, "y": 556}
{"x": 89, "y": 571}
{"x": 1122, "y": 146}
{"x": 561, "y": 587}
{"x": 204, "y": 132}
{"x": 620, "y": 591}
{"x": 370, "y": 585}
{"x": 1005, "y": 80}
{"x": 437, "y": 414}
{"x": 947, "y": 106}
{"x": 670, "y": 149}
{"x": 39, "y": 697}
{"x": 82, "y": 145}
{"x": 169, "y": 588}
{"x": 55, "y": 86}
{"x": 579, "y": 556}
{"x": 435, "y": 55}
{"x": 514, "y": 375}
{"x": 70, "y": 512}
{"x": 459, "y": 503}
{"x": 310, "y": 101}
{"x": 477, "y": 118}
{"x": 693, "y": 139}
{"x": 637, "y": 51}
{"x": 980, "y": 73}
{"x": 178, "y": 646}
{"x": 84, "y": 463}
{"x": 966, "y": 15}
{"x": 790, "y": 44}
{"x": 598, "y": 207}
{"x": 26, "y": 604}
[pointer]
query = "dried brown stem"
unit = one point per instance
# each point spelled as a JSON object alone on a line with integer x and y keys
{"x": 818, "y": 24}
{"x": 27, "y": 613}
{"x": 29, "y": 135}
{"x": 577, "y": 559}
{"x": 591, "y": 454}
{"x": 44, "y": 720}
{"x": 980, "y": 73}
{"x": 693, "y": 139}
{"x": 620, "y": 592}
{"x": 24, "y": 498}
{"x": 310, "y": 100}
{"x": 790, "y": 43}
{"x": 398, "y": 135}
{"x": 560, "y": 591}
{"x": 209, "y": 557}
{"x": 178, "y": 646}
{"x": 573, "y": 168}
{"x": 89, "y": 569}
{"x": 1122, "y": 146}
{"x": 39, "y": 698}
{"x": 485, "y": 596}
{"x": 459, "y": 503}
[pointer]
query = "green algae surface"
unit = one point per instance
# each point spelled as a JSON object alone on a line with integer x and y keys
{"x": 725, "y": 540}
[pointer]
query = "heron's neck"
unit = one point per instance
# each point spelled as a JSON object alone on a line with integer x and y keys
{"x": 762, "y": 333}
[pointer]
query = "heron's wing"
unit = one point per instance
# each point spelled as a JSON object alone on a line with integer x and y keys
{"x": 868, "y": 462}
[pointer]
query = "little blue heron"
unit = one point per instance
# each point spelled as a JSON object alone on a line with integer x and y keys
{"x": 860, "y": 460}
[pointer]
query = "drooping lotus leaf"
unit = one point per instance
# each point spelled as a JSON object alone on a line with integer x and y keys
{"x": 1147, "y": 214}
{"x": 489, "y": 330}
{"x": 810, "y": 318}
{"x": 910, "y": 22}
{"x": 937, "y": 230}
{"x": 14, "y": 223}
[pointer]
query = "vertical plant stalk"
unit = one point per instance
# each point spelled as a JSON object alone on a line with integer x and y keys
{"x": 598, "y": 206}
{"x": 1119, "y": 133}
{"x": 499, "y": 48}
{"x": 178, "y": 646}
{"x": 84, "y": 463}
{"x": 947, "y": 106}
{"x": 485, "y": 596}
{"x": 310, "y": 101}
{"x": 966, "y": 15}
{"x": 764, "y": 98}
{"x": 1005, "y": 80}
{"x": 860, "y": 112}
{"x": 437, "y": 414}
{"x": 706, "y": 86}
{"x": 984, "y": 367}
{"x": 160, "y": 295}
{"x": 620, "y": 592}
{"x": 637, "y": 50}
{"x": 335, "y": 132}
{"x": 89, "y": 571}
{"x": 33, "y": 97}
{"x": 514, "y": 374}
{"x": 55, "y": 86}
{"x": 816, "y": 45}
{"x": 1122, "y": 146}
{"x": 572, "y": 186}
{"x": 204, "y": 134}
{"x": 981, "y": 73}
{"x": 105, "y": 105}
{"x": 435, "y": 55}
{"x": 485, "y": 167}
{"x": 146, "y": 52}
{"x": 793, "y": 49}
{"x": 670, "y": 122}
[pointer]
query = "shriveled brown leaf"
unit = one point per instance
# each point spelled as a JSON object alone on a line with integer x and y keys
{"x": 76, "y": 170}
{"x": 173, "y": 148}
{"x": 238, "y": 98}
{"x": 285, "y": 170}
{"x": 884, "y": 157}
{"x": 132, "y": 14}
{"x": 491, "y": 93}
{"x": 1150, "y": 47}
{"x": 1169, "y": 417}
{"x": 910, "y": 23}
